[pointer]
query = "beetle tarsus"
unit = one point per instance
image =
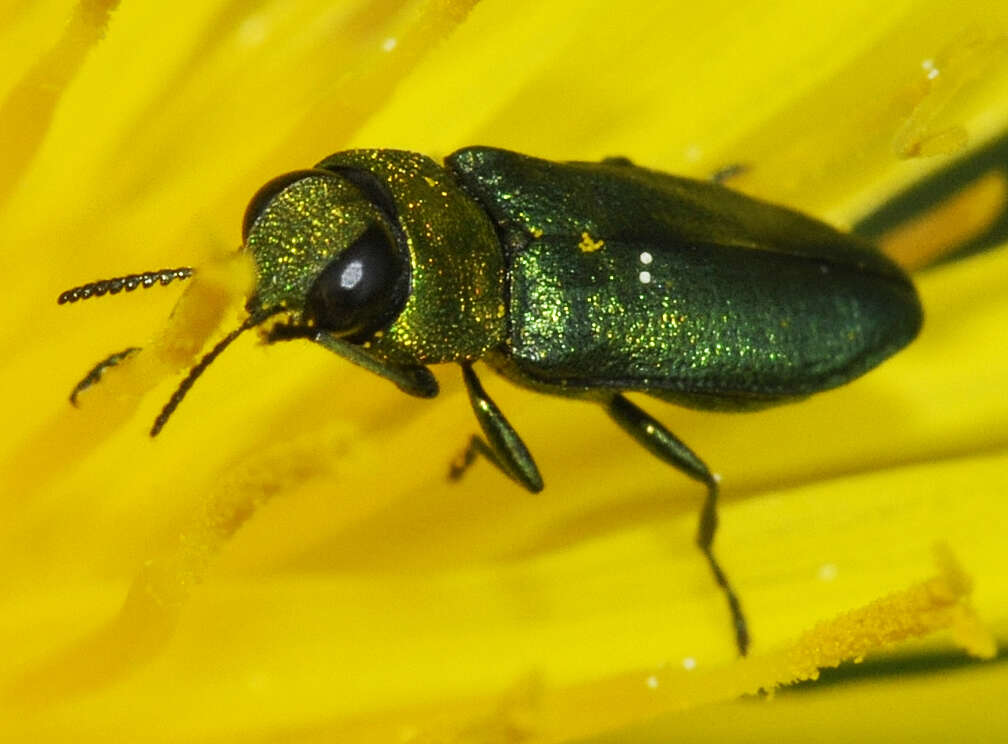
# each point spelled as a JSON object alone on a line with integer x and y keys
{"x": 705, "y": 541}
{"x": 95, "y": 373}
{"x": 467, "y": 457}
{"x": 664, "y": 445}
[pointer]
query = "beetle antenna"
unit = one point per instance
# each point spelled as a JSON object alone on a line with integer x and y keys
{"x": 183, "y": 388}
{"x": 124, "y": 283}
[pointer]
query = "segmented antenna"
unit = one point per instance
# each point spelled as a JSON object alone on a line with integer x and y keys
{"x": 124, "y": 283}
{"x": 186, "y": 384}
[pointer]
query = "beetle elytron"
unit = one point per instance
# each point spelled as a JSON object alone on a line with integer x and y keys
{"x": 585, "y": 280}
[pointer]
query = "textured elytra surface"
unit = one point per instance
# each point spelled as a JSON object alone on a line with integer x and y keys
{"x": 625, "y": 278}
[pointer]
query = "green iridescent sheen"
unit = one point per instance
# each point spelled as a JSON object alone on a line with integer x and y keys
{"x": 586, "y": 278}
{"x": 578, "y": 279}
{"x": 455, "y": 311}
{"x": 621, "y": 278}
{"x": 300, "y": 231}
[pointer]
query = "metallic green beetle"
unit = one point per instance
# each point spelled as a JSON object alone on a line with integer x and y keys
{"x": 577, "y": 279}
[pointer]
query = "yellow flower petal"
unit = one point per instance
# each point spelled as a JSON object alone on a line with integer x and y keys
{"x": 163, "y": 591}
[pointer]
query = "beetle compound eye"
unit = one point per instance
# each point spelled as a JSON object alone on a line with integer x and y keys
{"x": 362, "y": 289}
{"x": 257, "y": 205}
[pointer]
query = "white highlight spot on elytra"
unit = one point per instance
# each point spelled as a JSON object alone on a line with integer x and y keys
{"x": 689, "y": 663}
{"x": 389, "y": 44}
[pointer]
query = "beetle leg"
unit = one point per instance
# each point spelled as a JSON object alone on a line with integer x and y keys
{"x": 477, "y": 446}
{"x": 412, "y": 380}
{"x": 503, "y": 447}
{"x": 664, "y": 445}
{"x": 96, "y": 372}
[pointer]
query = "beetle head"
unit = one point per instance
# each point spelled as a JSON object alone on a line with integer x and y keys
{"x": 379, "y": 249}
{"x": 326, "y": 254}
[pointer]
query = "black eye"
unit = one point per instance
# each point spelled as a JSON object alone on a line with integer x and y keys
{"x": 265, "y": 195}
{"x": 362, "y": 289}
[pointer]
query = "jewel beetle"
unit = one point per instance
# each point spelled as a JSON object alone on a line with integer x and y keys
{"x": 586, "y": 280}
